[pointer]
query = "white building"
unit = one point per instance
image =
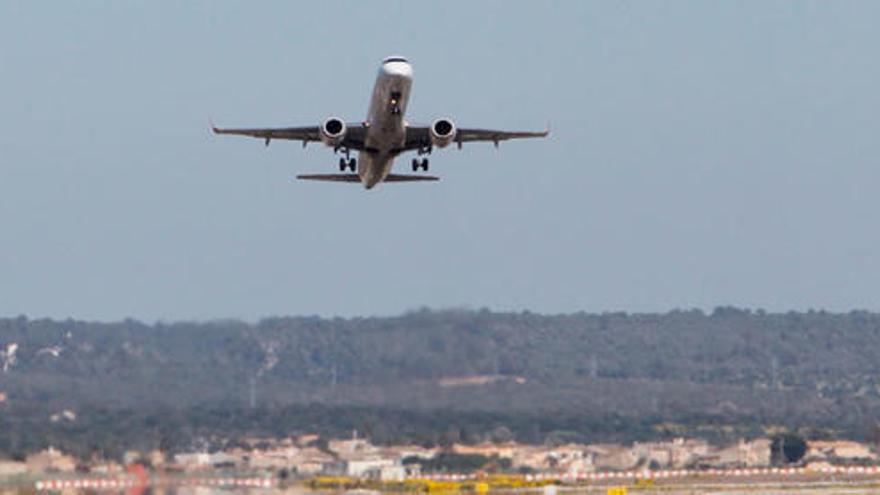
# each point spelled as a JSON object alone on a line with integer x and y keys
{"x": 839, "y": 450}
{"x": 754, "y": 453}
{"x": 12, "y": 468}
{"x": 367, "y": 467}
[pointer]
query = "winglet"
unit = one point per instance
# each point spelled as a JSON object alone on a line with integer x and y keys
{"x": 547, "y": 130}
{"x": 213, "y": 127}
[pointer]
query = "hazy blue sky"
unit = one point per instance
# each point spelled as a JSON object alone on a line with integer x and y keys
{"x": 702, "y": 154}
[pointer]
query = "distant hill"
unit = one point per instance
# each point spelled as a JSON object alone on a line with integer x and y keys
{"x": 438, "y": 376}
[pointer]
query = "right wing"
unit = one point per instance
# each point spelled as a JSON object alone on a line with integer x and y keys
{"x": 469, "y": 135}
{"x": 354, "y": 136}
{"x": 418, "y": 136}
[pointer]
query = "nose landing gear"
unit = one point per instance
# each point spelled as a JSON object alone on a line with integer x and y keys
{"x": 394, "y": 103}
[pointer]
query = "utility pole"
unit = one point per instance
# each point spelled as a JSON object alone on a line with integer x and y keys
{"x": 334, "y": 371}
{"x": 774, "y": 364}
{"x": 782, "y": 450}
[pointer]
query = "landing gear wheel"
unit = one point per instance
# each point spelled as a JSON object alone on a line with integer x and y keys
{"x": 415, "y": 165}
{"x": 342, "y": 164}
{"x": 352, "y": 164}
{"x": 425, "y": 164}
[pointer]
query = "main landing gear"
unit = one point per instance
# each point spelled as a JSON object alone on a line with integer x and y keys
{"x": 350, "y": 163}
{"x": 346, "y": 162}
{"x": 417, "y": 164}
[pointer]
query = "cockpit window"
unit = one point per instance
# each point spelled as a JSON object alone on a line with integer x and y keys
{"x": 394, "y": 59}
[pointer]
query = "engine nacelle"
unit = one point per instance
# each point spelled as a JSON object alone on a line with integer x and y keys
{"x": 333, "y": 131}
{"x": 442, "y": 132}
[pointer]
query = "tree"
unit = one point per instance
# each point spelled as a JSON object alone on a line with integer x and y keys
{"x": 787, "y": 448}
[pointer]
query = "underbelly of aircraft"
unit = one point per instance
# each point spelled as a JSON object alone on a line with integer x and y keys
{"x": 374, "y": 167}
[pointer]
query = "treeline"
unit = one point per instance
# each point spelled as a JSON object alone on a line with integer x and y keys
{"x": 578, "y": 376}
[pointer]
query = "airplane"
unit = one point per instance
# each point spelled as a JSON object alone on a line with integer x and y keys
{"x": 383, "y": 135}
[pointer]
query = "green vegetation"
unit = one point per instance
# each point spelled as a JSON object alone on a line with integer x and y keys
{"x": 578, "y": 377}
{"x": 451, "y": 462}
{"x": 788, "y": 448}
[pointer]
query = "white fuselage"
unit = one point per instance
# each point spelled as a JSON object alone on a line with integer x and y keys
{"x": 386, "y": 131}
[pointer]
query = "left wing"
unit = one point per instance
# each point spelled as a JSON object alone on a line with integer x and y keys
{"x": 354, "y": 136}
{"x": 418, "y": 137}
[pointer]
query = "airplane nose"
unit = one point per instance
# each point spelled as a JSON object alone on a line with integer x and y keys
{"x": 397, "y": 69}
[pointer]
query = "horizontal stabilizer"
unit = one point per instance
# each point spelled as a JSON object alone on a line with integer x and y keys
{"x": 331, "y": 177}
{"x": 410, "y": 178}
{"x": 356, "y": 178}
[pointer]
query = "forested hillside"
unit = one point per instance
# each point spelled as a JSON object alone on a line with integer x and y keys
{"x": 439, "y": 377}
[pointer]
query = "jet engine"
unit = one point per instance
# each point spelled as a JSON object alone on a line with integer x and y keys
{"x": 333, "y": 132}
{"x": 442, "y": 132}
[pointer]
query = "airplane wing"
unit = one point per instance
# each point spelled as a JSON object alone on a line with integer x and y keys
{"x": 354, "y": 136}
{"x": 419, "y": 136}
